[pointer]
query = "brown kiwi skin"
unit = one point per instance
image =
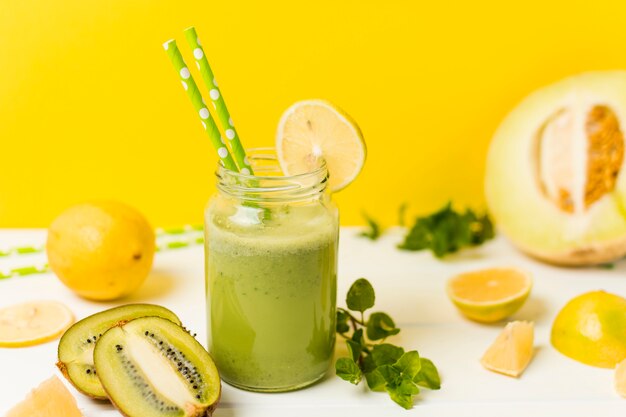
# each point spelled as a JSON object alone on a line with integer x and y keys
{"x": 63, "y": 367}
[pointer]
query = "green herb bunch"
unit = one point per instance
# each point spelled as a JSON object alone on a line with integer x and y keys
{"x": 447, "y": 231}
{"x": 386, "y": 367}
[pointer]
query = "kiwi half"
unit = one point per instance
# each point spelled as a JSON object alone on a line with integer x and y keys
{"x": 152, "y": 367}
{"x": 76, "y": 346}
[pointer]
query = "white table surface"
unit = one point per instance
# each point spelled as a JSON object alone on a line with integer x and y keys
{"x": 410, "y": 287}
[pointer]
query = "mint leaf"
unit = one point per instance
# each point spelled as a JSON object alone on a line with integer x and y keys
{"x": 348, "y": 370}
{"x": 409, "y": 365}
{"x": 403, "y": 393}
{"x": 374, "y": 230}
{"x": 342, "y": 322}
{"x": 428, "y": 376}
{"x": 380, "y": 326}
{"x": 368, "y": 364}
{"x": 360, "y": 295}
{"x": 400, "y": 387}
{"x": 447, "y": 231}
{"x": 358, "y": 337}
{"x": 391, "y": 375}
{"x": 354, "y": 349}
{"x": 386, "y": 354}
{"x": 375, "y": 380}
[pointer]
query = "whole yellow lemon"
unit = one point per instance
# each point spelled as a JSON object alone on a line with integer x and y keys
{"x": 591, "y": 329}
{"x": 101, "y": 250}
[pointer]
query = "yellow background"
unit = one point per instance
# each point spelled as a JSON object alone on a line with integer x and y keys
{"x": 90, "y": 106}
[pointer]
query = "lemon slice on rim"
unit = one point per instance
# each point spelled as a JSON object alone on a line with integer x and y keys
{"x": 33, "y": 322}
{"x": 314, "y": 129}
{"x": 489, "y": 295}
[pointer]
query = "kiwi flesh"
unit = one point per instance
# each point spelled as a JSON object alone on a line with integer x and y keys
{"x": 152, "y": 367}
{"x": 76, "y": 346}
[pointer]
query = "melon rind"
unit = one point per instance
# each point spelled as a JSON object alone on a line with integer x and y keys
{"x": 529, "y": 219}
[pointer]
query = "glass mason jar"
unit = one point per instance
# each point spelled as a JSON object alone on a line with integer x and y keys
{"x": 271, "y": 276}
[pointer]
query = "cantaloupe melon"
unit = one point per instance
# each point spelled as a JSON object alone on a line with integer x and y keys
{"x": 49, "y": 399}
{"x": 554, "y": 178}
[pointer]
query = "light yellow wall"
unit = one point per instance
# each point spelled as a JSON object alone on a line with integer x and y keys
{"x": 90, "y": 106}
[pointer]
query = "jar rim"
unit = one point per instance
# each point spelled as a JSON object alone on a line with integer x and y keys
{"x": 251, "y": 155}
{"x": 271, "y": 187}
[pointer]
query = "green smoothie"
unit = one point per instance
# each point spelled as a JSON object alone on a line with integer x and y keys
{"x": 271, "y": 289}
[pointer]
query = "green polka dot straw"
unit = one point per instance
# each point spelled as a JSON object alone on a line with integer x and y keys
{"x": 199, "y": 105}
{"x": 218, "y": 101}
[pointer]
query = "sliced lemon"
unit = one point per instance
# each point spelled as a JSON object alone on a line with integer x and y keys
{"x": 620, "y": 378}
{"x": 50, "y": 398}
{"x": 33, "y": 323}
{"x": 489, "y": 295}
{"x": 512, "y": 350}
{"x": 315, "y": 129}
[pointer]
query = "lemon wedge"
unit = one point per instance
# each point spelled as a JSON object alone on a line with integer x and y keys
{"x": 312, "y": 130}
{"x": 512, "y": 351}
{"x": 489, "y": 295}
{"x": 50, "y": 398}
{"x": 32, "y": 323}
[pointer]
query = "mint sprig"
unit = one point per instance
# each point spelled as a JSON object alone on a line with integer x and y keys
{"x": 447, "y": 231}
{"x": 386, "y": 367}
{"x": 373, "y": 229}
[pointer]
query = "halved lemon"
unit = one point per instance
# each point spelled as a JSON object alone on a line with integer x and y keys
{"x": 489, "y": 295}
{"x": 512, "y": 350}
{"x": 590, "y": 328}
{"x": 33, "y": 322}
{"x": 314, "y": 129}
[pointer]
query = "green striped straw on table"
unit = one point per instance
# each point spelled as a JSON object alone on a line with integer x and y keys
{"x": 199, "y": 105}
{"x": 218, "y": 100}
{"x": 167, "y": 239}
